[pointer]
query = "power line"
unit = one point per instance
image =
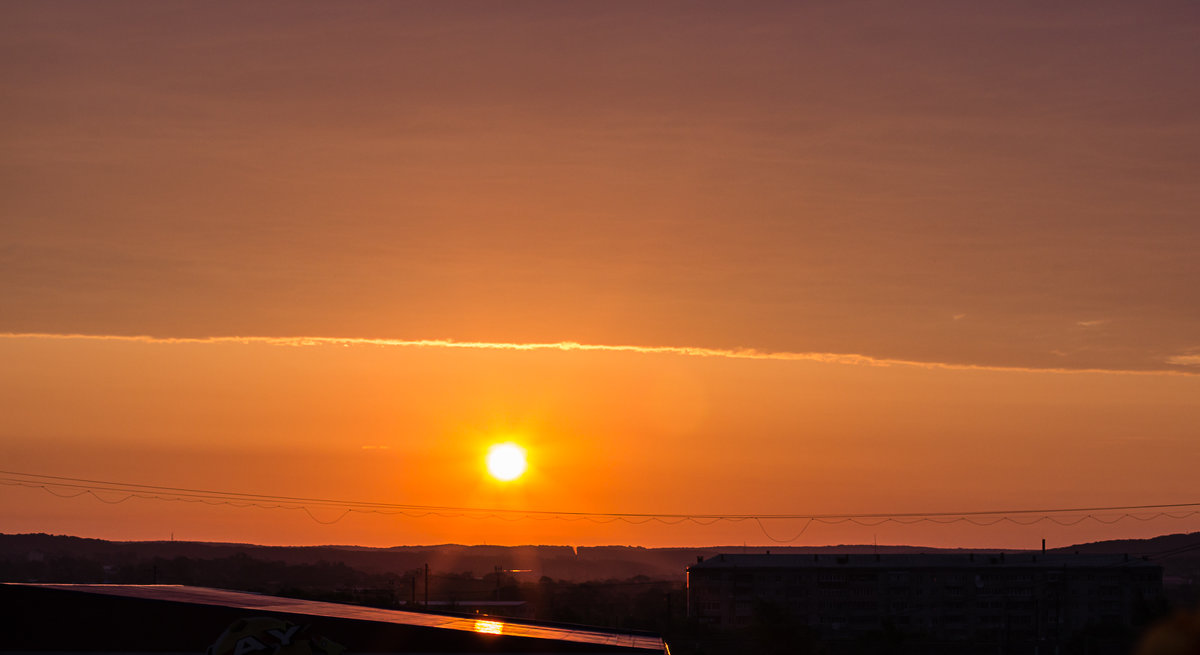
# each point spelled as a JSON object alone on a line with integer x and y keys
{"x": 125, "y": 487}
{"x": 1060, "y": 516}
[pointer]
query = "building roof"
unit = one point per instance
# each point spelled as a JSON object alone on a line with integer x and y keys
{"x": 918, "y": 560}
{"x": 275, "y": 604}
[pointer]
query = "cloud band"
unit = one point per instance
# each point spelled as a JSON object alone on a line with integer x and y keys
{"x": 849, "y": 359}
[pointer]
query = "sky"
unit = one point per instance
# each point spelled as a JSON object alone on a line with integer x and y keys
{"x": 698, "y": 258}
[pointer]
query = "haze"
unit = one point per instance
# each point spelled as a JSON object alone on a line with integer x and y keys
{"x": 959, "y": 239}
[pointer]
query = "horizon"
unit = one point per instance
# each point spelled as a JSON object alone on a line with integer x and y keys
{"x": 730, "y": 548}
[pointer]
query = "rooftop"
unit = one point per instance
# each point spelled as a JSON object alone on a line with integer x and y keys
{"x": 263, "y": 603}
{"x": 919, "y": 560}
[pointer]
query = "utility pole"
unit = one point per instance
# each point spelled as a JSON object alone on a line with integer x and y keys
{"x": 426, "y": 585}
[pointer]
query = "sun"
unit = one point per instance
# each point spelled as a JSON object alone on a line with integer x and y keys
{"x": 506, "y": 461}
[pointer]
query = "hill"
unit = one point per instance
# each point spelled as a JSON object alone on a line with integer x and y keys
{"x": 1178, "y": 553}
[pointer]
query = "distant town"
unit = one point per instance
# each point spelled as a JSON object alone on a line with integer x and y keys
{"x": 1095, "y": 598}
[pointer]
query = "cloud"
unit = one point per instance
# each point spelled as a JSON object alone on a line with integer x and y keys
{"x": 848, "y": 359}
{"x": 1091, "y": 324}
{"x": 1184, "y": 360}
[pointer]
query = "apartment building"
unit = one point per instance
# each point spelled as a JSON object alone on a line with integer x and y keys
{"x": 1000, "y": 598}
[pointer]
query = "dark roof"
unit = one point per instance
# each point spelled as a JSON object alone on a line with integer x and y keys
{"x": 918, "y": 560}
{"x": 263, "y": 603}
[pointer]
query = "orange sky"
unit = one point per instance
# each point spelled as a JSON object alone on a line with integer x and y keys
{"x": 993, "y": 208}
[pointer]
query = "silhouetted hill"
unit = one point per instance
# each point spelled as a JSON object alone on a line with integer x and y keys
{"x": 1138, "y": 547}
{"x": 532, "y": 562}
{"x": 558, "y": 562}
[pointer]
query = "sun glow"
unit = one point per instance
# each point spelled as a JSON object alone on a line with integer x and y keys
{"x": 506, "y": 461}
{"x": 489, "y": 627}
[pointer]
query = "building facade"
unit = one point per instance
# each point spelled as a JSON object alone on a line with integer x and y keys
{"x": 1004, "y": 599}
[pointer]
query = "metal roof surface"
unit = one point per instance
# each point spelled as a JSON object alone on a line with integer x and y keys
{"x": 260, "y": 602}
